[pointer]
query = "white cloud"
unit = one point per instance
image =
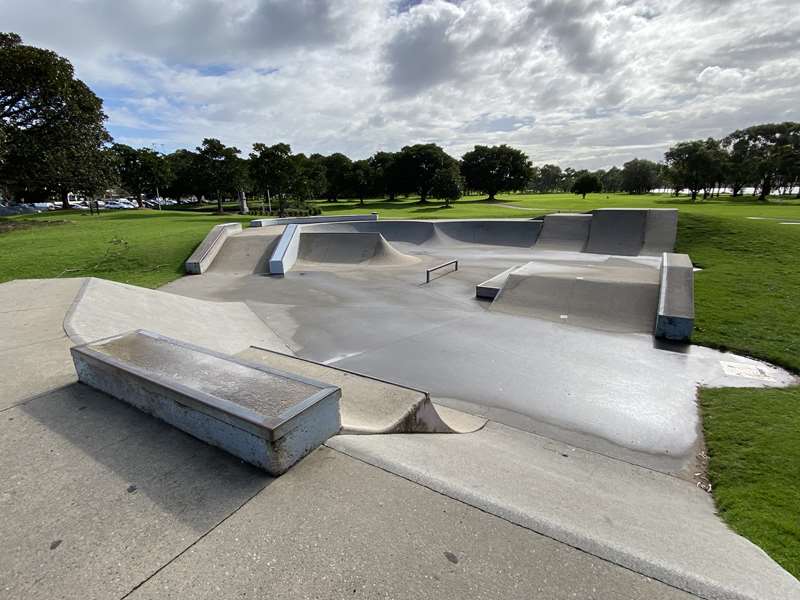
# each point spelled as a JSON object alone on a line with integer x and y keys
{"x": 581, "y": 82}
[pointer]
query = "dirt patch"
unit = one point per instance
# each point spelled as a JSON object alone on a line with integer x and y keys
{"x": 19, "y": 224}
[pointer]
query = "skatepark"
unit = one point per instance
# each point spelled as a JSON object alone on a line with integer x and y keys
{"x": 537, "y": 372}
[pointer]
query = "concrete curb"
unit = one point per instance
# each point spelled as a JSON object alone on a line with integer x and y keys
{"x": 675, "y": 317}
{"x": 285, "y": 253}
{"x": 204, "y": 254}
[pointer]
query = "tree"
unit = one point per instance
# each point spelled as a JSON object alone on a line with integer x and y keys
{"x": 338, "y": 169}
{"x": 141, "y": 170}
{"x": 420, "y": 163}
{"x": 362, "y": 179}
{"x": 52, "y": 124}
{"x": 446, "y": 185}
{"x": 696, "y": 165}
{"x": 185, "y": 174}
{"x": 639, "y": 176}
{"x": 769, "y": 151}
{"x": 387, "y": 170}
{"x": 309, "y": 181}
{"x": 273, "y": 170}
{"x": 612, "y": 180}
{"x": 221, "y": 171}
{"x": 550, "y": 177}
{"x": 586, "y": 183}
{"x": 496, "y": 169}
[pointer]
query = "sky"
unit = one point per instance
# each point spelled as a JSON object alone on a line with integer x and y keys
{"x": 582, "y": 83}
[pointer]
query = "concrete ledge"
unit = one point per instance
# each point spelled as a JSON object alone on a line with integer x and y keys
{"x": 204, "y": 254}
{"x": 304, "y": 220}
{"x": 285, "y": 254}
{"x": 491, "y": 287}
{"x": 675, "y": 318}
{"x": 266, "y": 417}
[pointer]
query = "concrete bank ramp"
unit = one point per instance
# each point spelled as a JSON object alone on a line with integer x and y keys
{"x": 247, "y": 253}
{"x": 105, "y": 308}
{"x": 613, "y": 295}
{"x": 564, "y": 232}
{"x": 349, "y": 248}
{"x": 369, "y": 405}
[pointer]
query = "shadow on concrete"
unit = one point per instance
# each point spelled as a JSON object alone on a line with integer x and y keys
{"x": 190, "y": 480}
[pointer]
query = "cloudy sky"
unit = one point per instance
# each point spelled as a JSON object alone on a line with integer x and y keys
{"x": 587, "y": 83}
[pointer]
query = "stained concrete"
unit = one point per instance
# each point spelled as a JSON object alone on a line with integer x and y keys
{"x": 651, "y": 523}
{"x": 105, "y": 308}
{"x": 619, "y": 393}
{"x": 358, "y": 532}
{"x": 371, "y": 406}
{"x": 102, "y": 501}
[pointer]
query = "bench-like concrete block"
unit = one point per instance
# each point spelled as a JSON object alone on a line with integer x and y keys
{"x": 266, "y": 417}
{"x": 204, "y": 254}
{"x": 675, "y": 318}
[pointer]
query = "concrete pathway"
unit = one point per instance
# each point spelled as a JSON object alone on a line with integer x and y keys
{"x": 654, "y": 524}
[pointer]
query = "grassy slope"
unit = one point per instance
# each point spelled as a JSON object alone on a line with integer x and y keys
{"x": 746, "y": 300}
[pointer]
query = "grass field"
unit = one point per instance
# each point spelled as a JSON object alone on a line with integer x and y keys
{"x": 746, "y": 298}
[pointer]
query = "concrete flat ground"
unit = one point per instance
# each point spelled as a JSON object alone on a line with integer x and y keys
{"x": 618, "y": 393}
{"x": 99, "y": 500}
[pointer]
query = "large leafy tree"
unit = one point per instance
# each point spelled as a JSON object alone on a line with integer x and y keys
{"x": 696, "y": 165}
{"x": 639, "y": 176}
{"x": 221, "y": 172}
{"x": 338, "y": 171}
{"x": 495, "y": 169}
{"x": 586, "y": 183}
{"x": 53, "y": 125}
{"x": 185, "y": 174}
{"x": 274, "y": 171}
{"x": 447, "y": 185}
{"x": 420, "y": 163}
{"x": 387, "y": 170}
{"x": 550, "y": 178}
{"x": 362, "y": 178}
{"x": 771, "y": 153}
{"x": 309, "y": 181}
{"x": 141, "y": 170}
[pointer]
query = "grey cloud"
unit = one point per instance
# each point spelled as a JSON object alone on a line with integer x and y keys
{"x": 421, "y": 54}
{"x": 569, "y": 25}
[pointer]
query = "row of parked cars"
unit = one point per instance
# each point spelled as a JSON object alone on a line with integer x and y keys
{"x": 110, "y": 204}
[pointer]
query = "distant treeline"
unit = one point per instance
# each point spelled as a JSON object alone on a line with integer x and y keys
{"x": 53, "y": 141}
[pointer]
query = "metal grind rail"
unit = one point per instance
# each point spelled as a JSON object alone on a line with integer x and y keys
{"x": 437, "y": 267}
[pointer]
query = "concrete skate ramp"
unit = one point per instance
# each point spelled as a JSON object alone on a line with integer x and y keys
{"x": 349, "y": 248}
{"x": 245, "y": 254}
{"x": 612, "y": 295}
{"x": 618, "y": 231}
{"x": 660, "y": 231}
{"x": 521, "y": 234}
{"x": 564, "y": 232}
{"x": 105, "y": 308}
{"x": 369, "y": 405}
{"x": 412, "y": 232}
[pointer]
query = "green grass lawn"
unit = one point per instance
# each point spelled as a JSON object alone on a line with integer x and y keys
{"x": 746, "y": 301}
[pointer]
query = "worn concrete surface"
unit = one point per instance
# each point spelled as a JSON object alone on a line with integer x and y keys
{"x": 102, "y": 501}
{"x": 361, "y": 533}
{"x": 369, "y": 405}
{"x": 106, "y": 308}
{"x": 34, "y": 348}
{"x": 652, "y": 523}
{"x": 612, "y": 392}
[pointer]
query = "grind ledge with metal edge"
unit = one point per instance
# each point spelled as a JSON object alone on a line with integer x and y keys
{"x": 266, "y": 417}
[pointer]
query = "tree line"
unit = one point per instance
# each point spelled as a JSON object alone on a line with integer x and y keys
{"x": 53, "y": 141}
